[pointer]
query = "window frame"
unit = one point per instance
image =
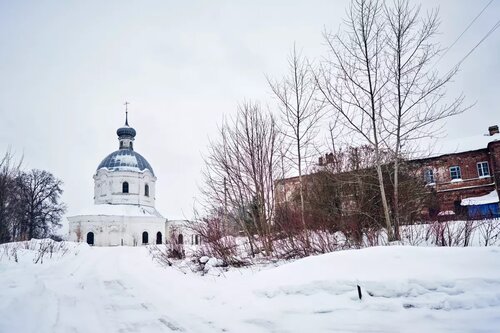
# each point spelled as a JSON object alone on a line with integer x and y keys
{"x": 458, "y": 170}
{"x": 480, "y": 169}
{"x": 429, "y": 176}
{"x": 146, "y": 190}
{"x": 125, "y": 187}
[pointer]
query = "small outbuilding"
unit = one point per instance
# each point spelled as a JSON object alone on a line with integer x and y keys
{"x": 483, "y": 206}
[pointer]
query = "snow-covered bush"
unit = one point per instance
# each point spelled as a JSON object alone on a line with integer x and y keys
{"x": 215, "y": 254}
{"x": 37, "y": 250}
{"x": 453, "y": 233}
{"x": 217, "y": 243}
{"x": 489, "y": 232}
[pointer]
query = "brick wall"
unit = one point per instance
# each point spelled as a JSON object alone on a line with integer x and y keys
{"x": 449, "y": 192}
{"x": 494, "y": 150}
{"x": 471, "y": 184}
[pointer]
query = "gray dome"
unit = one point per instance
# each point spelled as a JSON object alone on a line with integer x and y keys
{"x": 125, "y": 160}
{"x": 126, "y": 131}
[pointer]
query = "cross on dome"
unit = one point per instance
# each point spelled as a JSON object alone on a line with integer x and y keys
{"x": 126, "y": 134}
{"x": 126, "y": 112}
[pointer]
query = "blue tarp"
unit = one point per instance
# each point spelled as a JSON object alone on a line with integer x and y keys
{"x": 486, "y": 210}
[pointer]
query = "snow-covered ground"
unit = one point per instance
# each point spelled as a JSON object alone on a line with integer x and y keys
{"x": 121, "y": 289}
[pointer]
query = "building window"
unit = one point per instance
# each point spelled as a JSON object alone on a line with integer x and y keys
{"x": 483, "y": 169}
{"x": 125, "y": 187}
{"x": 429, "y": 176}
{"x": 145, "y": 237}
{"x": 146, "y": 190}
{"x": 455, "y": 172}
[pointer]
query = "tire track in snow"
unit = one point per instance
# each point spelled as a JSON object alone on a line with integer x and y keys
{"x": 124, "y": 305}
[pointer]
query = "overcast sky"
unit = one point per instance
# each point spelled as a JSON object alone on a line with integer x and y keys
{"x": 66, "y": 68}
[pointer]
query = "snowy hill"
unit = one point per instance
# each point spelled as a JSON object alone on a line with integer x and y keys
{"x": 121, "y": 289}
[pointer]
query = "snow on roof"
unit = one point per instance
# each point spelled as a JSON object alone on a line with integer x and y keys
{"x": 125, "y": 160}
{"x": 446, "y": 213}
{"x": 120, "y": 210}
{"x": 457, "y": 145}
{"x": 489, "y": 198}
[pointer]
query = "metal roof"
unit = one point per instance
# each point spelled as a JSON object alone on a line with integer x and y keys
{"x": 125, "y": 160}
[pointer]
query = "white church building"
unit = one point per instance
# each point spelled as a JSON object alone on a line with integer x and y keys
{"x": 124, "y": 210}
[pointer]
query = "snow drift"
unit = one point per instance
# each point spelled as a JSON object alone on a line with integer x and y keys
{"x": 121, "y": 289}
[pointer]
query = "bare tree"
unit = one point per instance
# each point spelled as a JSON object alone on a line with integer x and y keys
{"x": 40, "y": 211}
{"x": 415, "y": 91}
{"x": 381, "y": 79}
{"x": 240, "y": 171}
{"x": 300, "y": 114}
{"x": 9, "y": 171}
{"x": 353, "y": 82}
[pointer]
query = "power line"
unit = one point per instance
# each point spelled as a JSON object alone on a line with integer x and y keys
{"x": 495, "y": 26}
{"x": 463, "y": 32}
{"x": 455, "y": 68}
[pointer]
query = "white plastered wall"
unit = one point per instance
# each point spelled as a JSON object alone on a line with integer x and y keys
{"x": 108, "y": 187}
{"x": 116, "y": 230}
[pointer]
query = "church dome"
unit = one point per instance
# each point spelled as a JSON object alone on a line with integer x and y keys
{"x": 126, "y": 131}
{"x": 125, "y": 160}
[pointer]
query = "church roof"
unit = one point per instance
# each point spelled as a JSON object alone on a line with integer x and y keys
{"x": 126, "y": 131}
{"x": 119, "y": 210}
{"x": 125, "y": 160}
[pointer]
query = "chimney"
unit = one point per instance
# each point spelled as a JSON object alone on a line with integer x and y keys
{"x": 493, "y": 130}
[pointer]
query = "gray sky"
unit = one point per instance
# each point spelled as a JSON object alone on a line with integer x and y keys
{"x": 67, "y": 67}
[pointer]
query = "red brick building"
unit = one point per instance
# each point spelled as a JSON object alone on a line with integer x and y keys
{"x": 468, "y": 177}
{"x": 465, "y": 176}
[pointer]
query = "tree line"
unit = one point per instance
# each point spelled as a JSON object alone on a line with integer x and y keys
{"x": 377, "y": 94}
{"x": 30, "y": 205}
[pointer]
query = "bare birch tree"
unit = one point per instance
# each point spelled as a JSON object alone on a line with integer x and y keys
{"x": 353, "y": 81}
{"x": 415, "y": 91}
{"x": 300, "y": 114}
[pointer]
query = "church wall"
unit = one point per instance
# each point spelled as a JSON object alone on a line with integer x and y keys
{"x": 116, "y": 230}
{"x": 184, "y": 227}
{"x": 108, "y": 187}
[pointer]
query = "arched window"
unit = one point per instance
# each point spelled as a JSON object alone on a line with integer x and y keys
{"x": 90, "y": 238}
{"x": 125, "y": 187}
{"x": 180, "y": 239}
{"x": 196, "y": 239}
{"x": 145, "y": 239}
{"x": 158, "y": 238}
{"x": 146, "y": 190}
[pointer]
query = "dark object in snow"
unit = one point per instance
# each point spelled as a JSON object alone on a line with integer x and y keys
{"x": 359, "y": 292}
